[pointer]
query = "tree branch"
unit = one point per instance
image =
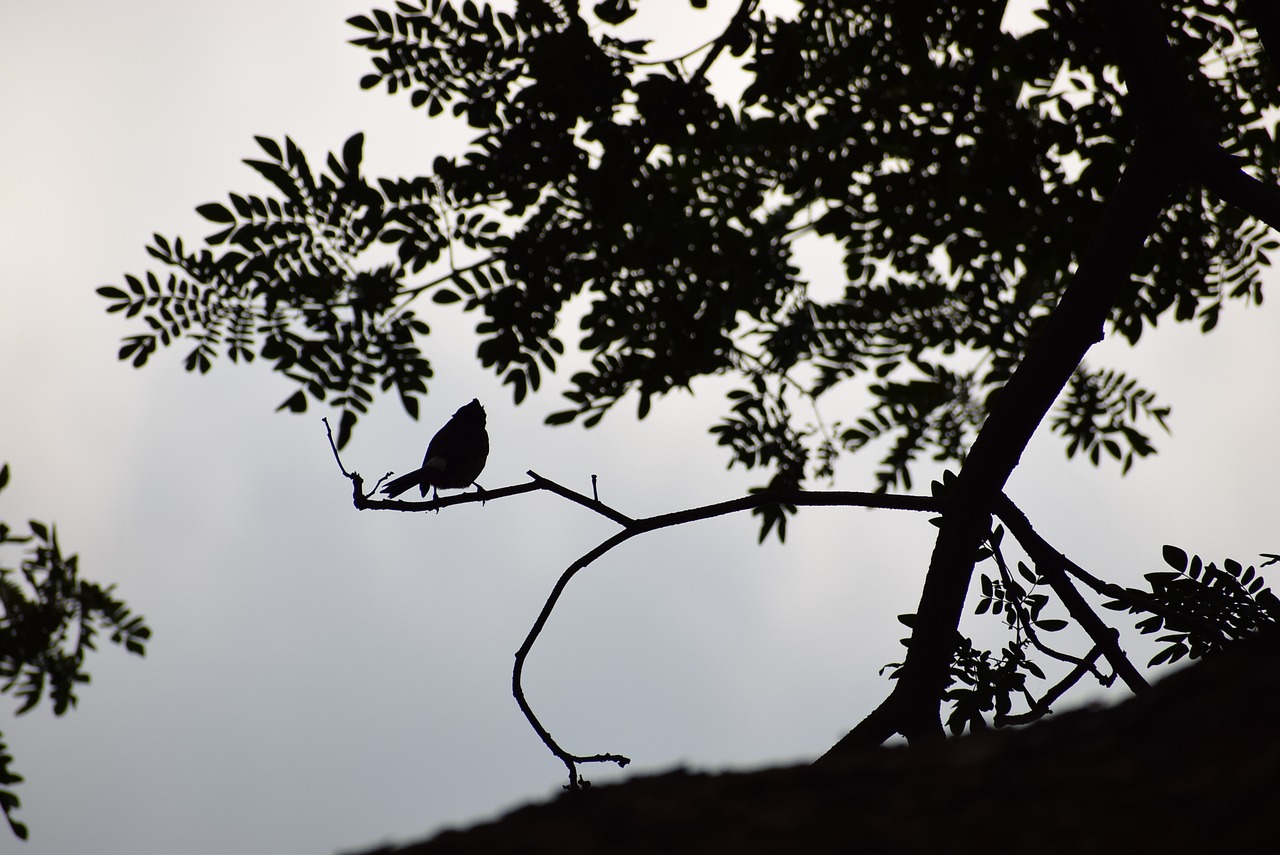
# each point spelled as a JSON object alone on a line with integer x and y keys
{"x": 643, "y": 526}
{"x": 631, "y": 527}
{"x": 1016, "y": 411}
{"x": 739, "y": 19}
{"x": 1044, "y": 706}
{"x": 1024, "y": 617}
{"x": 453, "y": 271}
{"x": 1159, "y": 94}
{"x": 1265, "y": 15}
{"x": 1221, "y": 174}
{"x": 1138, "y": 601}
{"x": 1051, "y": 565}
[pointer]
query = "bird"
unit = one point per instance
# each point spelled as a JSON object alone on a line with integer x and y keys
{"x": 455, "y": 456}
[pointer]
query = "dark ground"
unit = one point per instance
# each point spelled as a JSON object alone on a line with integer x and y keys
{"x": 1191, "y": 766}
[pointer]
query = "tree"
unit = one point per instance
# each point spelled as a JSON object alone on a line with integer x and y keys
{"x": 49, "y": 618}
{"x": 999, "y": 202}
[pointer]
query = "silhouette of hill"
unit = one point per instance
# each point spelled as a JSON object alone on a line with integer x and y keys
{"x": 1191, "y": 766}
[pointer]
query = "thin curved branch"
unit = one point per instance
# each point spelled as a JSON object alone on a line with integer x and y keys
{"x": 334, "y": 446}
{"x": 637, "y": 527}
{"x": 571, "y": 761}
{"x": 649, "y": 63}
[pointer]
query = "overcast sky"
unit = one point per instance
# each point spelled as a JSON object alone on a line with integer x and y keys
{"x": 322, "y": 679}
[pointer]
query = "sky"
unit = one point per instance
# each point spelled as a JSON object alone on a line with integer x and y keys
{"x": 323, "y": 680}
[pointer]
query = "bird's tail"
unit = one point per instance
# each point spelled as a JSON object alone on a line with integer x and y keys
{"x": 397, "y": 486}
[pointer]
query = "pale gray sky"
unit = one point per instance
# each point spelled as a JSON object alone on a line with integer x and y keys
{"x": 322, "y": 679}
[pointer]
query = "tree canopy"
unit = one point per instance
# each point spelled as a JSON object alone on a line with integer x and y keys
{"x": 999, "y": 202}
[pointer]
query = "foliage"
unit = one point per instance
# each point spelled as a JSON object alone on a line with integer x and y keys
{"x": 1099, "y": 412}
{"x": 285, "y": 288}
{"x": 1200, "y": 607}
{"x": 1202, "y": 610}
{"x": 49, "y": 619}
{"x": 957, "y": 167}
{"x": 988, "y": 683}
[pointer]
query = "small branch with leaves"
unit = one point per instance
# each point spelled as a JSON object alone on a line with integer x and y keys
{"x": 1052, "y": 565}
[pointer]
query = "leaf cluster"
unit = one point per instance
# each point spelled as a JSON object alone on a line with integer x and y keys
{"x": 50, "y": 619}
{"x": 1199, "y": 607}
{"x": 986, "y": 683}
{"x": 278, "y": 281}
{"x": 1098, "y": 412}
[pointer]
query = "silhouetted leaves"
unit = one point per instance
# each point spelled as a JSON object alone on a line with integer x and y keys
{"x": 282, "y": 284}
{"x": 49, "y": 620}
{"x": 1199, "y": 607}
{"x": 986, "y": 683}
{"x": 1098, "y": 411}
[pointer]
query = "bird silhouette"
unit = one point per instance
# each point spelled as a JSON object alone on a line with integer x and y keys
{"x": 455, "y": 455}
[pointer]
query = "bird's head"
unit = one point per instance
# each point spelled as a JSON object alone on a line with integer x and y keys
{"x": 472, "y": 410}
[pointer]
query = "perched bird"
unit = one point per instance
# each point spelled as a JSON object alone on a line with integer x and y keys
{"x": 454, "y": 458}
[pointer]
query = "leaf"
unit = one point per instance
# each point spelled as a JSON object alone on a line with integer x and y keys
{"x": 216, "y": 212}
{"x": 345, "y": 424}
{"x": 353, "y": 153}
{"x": 295, "y": 403}
{"x": 1028, "y": 574}
{"x": 270, "y": 146}
{"x": 1175, "y": 557}
{"x": 562, "y": 417}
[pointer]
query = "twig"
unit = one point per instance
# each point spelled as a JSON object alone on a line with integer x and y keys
{"x": 1024, "y": 617}
{"x": 1042, "y": 707}
{"x": 593, "y": 504}
{"x": 334, "y": 446}
{"x": 739, "y": 19}
{"x": 1051, "y": 565}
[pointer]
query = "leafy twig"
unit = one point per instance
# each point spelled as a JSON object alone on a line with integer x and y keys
{"x": 1052, "y": 565}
